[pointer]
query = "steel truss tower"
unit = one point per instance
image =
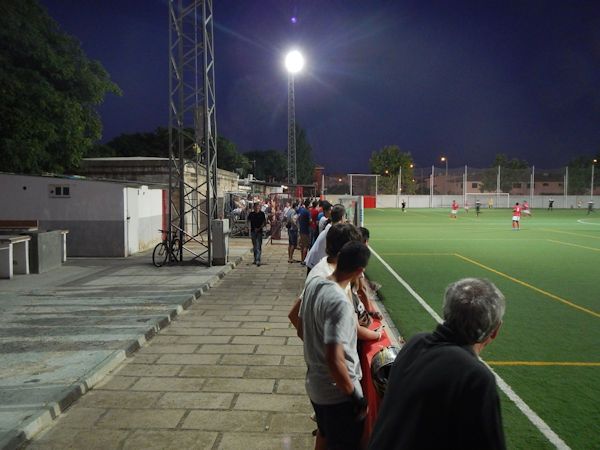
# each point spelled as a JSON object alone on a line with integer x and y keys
{"x": 192, "y": 128}
{"x": 291, "y": 153}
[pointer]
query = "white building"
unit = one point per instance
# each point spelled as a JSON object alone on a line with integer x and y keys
{"x": 103, "y": 218}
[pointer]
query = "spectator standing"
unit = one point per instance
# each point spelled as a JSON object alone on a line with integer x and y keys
{"x": 304, "y": 229}
{"x": 324, "y": 216}
{"x": 439, "y": 394}
{"x": 314, "y": 230}
{"x": 329, "y": 332}
{"x": 317, "y": 252}
{"x": 257, "y": 220}
{"x": 291, "y": 223}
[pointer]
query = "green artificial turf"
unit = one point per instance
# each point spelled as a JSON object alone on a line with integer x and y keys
{"x": 549, "y": 272}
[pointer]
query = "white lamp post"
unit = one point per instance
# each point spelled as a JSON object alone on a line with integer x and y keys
{"x": 592, "y": 186}
{"x": 294, "y": 62}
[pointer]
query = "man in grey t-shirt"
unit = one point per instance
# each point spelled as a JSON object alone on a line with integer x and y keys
{"x": 328, "y": 325}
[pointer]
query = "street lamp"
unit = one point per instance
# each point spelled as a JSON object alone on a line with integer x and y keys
{"x": 294, "y": 62}
{"x": 444, "y": 159}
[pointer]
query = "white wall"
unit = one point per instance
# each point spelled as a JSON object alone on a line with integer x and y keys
{"x": 27, "y": 197}
{"x": 94, "y": 212}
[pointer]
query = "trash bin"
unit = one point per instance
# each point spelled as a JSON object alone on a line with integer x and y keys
{"x": 220, "y": 241}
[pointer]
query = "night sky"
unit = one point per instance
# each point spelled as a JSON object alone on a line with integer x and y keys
{"x": 465, "y": 79}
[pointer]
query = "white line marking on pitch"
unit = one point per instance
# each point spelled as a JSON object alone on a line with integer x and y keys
{"x": 536, "y": 420}
{"x": 587, "y": 223}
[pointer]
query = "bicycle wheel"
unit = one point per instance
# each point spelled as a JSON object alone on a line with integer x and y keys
{"x": 159, "y": 255}
{"x": 176, "y": 245}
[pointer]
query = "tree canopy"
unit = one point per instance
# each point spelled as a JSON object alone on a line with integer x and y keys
{"x": 387, "y": 163}
{"x": 48, "y": 92}
{"x": 511, "y": 171}
{"x": 228, "y": 158}
{"x": 305, "y": 166}
{"x": 156, "y": 144}
{"x": 269, "y": 165}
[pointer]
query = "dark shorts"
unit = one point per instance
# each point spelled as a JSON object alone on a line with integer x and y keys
{"x": 338, "y": 425}
{"x": 304, "y": 240}
{"x": 293, "y": 237}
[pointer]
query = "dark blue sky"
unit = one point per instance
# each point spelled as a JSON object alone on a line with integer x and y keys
{"x": 465, "y": 79}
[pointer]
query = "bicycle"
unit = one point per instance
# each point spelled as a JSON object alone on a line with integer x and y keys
{"x": 167, "y": 249}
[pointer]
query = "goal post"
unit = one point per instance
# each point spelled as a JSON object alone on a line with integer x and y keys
{"x": 366, "y": 186}
{"x": 488, "y": 199}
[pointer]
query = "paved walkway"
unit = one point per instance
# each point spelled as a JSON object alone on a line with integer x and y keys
{"x": 227, "y": 373}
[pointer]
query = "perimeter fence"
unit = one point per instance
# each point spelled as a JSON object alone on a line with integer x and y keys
{"x": 575, "y": 186}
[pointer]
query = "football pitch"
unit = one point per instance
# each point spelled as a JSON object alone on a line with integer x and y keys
{"x": 548, "y": 349}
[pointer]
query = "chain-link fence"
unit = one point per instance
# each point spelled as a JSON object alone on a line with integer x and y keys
{"x": 459, "y": 181}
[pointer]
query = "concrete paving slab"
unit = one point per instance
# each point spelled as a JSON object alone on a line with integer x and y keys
{"x": 63, "y": 330}
{"x": 214, "y": 378}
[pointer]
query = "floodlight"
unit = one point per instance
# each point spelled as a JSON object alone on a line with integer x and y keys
{"x": 294, "y": 61}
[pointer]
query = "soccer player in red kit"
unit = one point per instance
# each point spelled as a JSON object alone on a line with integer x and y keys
{"x": 516, "y": 216}
{"x": 454, "y": 209}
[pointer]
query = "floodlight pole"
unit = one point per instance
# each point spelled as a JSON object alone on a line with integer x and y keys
{"x": 292, "y": 176}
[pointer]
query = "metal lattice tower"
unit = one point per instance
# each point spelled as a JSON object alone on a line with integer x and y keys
{"x": 291, "y": 151}
{"x": 192, "y": 128}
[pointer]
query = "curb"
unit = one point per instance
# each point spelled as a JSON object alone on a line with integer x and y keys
{"x": 16, "y": 439}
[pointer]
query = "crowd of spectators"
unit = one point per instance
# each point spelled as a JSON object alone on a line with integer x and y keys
{"x": 439, "y": 394}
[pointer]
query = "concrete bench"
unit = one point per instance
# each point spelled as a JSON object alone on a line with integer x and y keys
{"x": 14, "y": 255}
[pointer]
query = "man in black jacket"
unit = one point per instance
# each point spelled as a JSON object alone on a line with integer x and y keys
{"x": 257, "y": 220}
{"x": 439, "y": 394}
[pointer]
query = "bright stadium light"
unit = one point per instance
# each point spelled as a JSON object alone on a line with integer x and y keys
{"x": 294, "y": 61}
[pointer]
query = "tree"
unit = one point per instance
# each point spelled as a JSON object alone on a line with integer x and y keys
{"x": 269, "y": 165}
{"x": 48, "y": 92}
{"x": 580, "y": 174}
{"x": 511, "y": 171}
{"x": 228, "y": 158}
{"x": 387, "y": 163}
{"x": 154, "y": 144}
{"x": 305, "y": 166}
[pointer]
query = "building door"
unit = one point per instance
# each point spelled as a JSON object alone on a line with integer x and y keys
{"x": 133, "y": 220}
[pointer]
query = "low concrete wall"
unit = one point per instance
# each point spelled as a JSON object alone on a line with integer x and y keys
{"x": 91, "y": 237}
{"x": 45, "y": 250}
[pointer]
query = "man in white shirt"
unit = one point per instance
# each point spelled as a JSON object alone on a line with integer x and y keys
{"x": 317, "y": 251}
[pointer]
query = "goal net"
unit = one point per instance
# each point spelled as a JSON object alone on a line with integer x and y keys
{"x": 363, "y": 184}
{"x": 488, "y": 199}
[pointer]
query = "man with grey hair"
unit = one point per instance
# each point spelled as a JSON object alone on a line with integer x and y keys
{"x": 439, "y": 394}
